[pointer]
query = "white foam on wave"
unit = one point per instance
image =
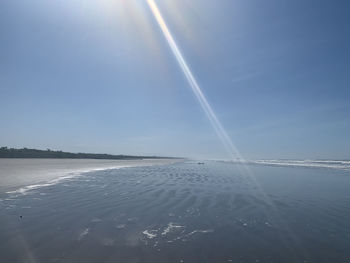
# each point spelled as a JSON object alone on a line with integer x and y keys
{"x": 150, "y": 233}
{"x": 84, "y": 233}
{"x": 164, "y": 231}
{"x": 326, "y": 164}
{"x": 25, "y": 189}
{"x": 121, "y": 226}
{"x": 170, "y": 228}
{"x": 68, "y": 175}
{"x": 329, "y": 164}
{"x": 200, "y": 231}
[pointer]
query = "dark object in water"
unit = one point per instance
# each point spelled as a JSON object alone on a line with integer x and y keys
{"x": 200, "y": 163}
{"x": 20, "y": 217}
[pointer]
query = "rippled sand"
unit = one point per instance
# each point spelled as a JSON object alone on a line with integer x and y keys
{"x": 182, "y": 212}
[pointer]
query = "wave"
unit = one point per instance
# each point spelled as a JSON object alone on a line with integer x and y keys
{"x": 328, "y": 164}
{"x": 172, "y": 232}
{"x": 65, "y": 176}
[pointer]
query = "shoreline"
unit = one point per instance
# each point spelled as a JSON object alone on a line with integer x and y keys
{"x": 19, "y": 175}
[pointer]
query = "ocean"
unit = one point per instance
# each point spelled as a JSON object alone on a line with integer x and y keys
{"x": 181, "y": 212}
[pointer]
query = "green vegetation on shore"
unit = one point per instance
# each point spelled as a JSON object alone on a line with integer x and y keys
{"x": 34, "y": 153}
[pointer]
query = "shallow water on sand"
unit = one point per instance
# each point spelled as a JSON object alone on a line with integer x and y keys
{"x": 23, "y": 174}
{"x": 182, "y": 212}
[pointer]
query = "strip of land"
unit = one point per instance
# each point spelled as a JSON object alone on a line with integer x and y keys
{"x": 6, "y": 152}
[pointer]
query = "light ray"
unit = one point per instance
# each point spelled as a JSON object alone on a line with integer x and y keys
{"x": 218, "y": 127}
{"x": 221, "y": 132}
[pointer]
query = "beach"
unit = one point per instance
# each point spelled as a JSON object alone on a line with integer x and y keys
{"x": 182, "y": 212}
{"x": 21, "y": 174}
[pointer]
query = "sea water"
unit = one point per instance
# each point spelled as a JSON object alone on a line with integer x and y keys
{"x": 182, "y": 212}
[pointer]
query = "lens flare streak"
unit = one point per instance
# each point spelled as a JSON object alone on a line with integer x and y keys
{"x": 221, "y": 132}
{"x": 219, "y": 129}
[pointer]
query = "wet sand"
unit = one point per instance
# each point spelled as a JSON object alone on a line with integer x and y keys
{"x": 18, "y": 172}
{"x": 182, "y": 212}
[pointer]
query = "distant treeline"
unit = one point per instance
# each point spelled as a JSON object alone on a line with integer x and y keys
{"x": 34, "y": 153}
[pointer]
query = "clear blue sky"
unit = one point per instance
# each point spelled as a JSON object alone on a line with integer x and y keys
{"x": 98, "y": 76}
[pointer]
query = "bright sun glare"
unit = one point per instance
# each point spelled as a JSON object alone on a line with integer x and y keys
{"x": 218, "y": 127}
